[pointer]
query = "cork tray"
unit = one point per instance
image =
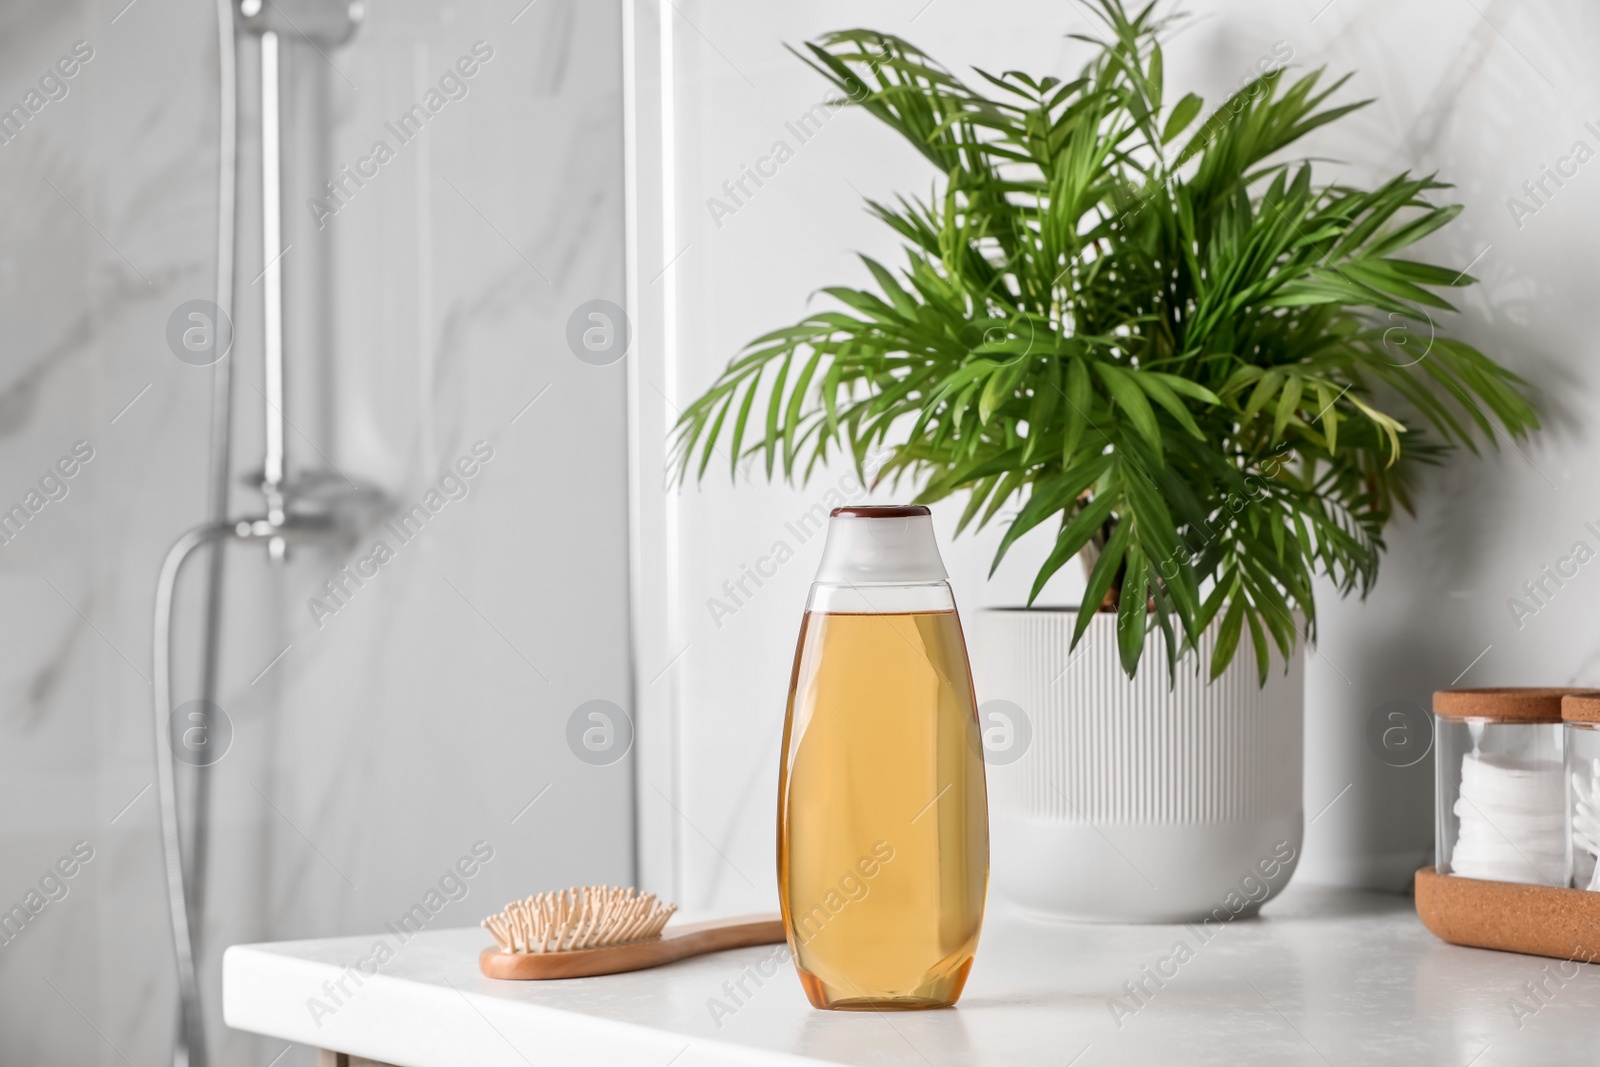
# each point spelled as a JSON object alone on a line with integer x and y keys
{"x": 1533, "y": 919}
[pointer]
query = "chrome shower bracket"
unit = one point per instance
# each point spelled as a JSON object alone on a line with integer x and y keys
{"x": 316, "y": 21}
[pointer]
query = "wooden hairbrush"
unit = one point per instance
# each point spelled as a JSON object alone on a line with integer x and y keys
{"x": 575, "y": 933}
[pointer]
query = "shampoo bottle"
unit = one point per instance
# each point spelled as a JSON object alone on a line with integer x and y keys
{"x": 883, "y": 833}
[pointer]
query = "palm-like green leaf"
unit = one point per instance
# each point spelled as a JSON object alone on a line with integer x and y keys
{"x": 1152, "y": 328}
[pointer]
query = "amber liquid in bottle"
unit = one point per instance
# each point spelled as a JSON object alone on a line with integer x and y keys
{"x": 883, "y": 836}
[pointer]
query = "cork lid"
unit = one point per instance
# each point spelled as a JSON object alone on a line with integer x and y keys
{"x": 1581, "y": 707}
{"x": 1506, "y": 705}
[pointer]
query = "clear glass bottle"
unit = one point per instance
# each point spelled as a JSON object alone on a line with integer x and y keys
{"x": 883, "y": 826}
{"x": 1500, "y": 806}
{"x": 1580, "y": 715}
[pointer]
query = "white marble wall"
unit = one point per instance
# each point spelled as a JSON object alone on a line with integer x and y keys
{"x": 1483, "y": 93}
{"x": 425, "y": 315}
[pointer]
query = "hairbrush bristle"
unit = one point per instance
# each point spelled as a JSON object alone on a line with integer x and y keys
{"x": 594, "y": 916}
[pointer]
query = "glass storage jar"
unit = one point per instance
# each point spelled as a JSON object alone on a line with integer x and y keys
{"x": 1581, "y": 723}
{"x": 1501, "y": 804}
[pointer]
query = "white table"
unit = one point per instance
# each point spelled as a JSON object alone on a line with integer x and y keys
{"x": 1322, "y": 977}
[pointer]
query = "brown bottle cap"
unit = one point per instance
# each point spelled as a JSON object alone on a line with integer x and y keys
{"x": 881, "y": 511}
{"x": 1506, "y": 705}
{"x": 1581, "y": 707}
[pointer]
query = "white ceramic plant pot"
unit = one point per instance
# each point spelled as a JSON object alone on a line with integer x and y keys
{"x": 1123, "y": 800}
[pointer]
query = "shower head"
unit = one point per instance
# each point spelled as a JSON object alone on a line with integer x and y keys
{"x": 323, "y": 22}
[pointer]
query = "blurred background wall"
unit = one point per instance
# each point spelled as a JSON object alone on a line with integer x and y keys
{"x": 425, "y": 315}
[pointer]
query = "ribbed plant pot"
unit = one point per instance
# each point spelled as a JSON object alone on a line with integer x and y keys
{"x": 1125, "y": 800}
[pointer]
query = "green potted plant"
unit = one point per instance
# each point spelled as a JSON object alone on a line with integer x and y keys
{"x": 1150, "y": 326}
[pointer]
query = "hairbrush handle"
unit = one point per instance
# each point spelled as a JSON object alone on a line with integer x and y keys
{"x": 675, "y": 943}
